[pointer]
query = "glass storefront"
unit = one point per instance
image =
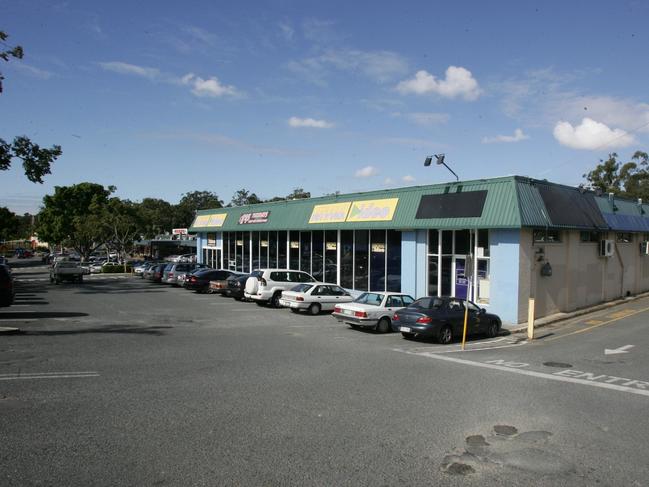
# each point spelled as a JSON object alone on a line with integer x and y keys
{"x": 449, "y": 254}
{"x": 356, "y": 259}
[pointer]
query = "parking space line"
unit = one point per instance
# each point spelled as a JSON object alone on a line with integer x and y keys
{"x": 532, "y": 373}
{"x": 48, "y": 375}
{"x": 597, "y": 325}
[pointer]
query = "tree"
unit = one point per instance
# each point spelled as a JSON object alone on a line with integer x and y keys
{"x": 122, "y": 222}
{"x": 9, "y": 224}
{"x": 629, "y": 180}
{"x": 244, "y": 197}
{"x": 157, "y": 216}
{"x": 36, "y": 160}
{"x": 298, "y": 194}
{"x": 74, "y": 216}
{"x": 196, "y": 200}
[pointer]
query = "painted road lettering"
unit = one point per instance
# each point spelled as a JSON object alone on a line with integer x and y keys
{"x": 507, "y": 363}
{"x": 607, "y": 379}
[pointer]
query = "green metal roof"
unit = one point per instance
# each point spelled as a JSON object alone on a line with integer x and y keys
{"x": 500, "y": 209}
{"x": 511, "y": 202}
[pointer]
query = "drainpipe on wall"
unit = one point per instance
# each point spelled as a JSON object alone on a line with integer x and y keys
{"x": 619, "y": 258}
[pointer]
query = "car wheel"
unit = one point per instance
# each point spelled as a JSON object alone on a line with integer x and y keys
{"x": 314, "y": 309}
{"x": 445, "y": 335}
{"x": 294, "y": 310}
{"x": 274, "y": 301}
{"x": 493, "y": 329}
{"x": 383, "y": 326}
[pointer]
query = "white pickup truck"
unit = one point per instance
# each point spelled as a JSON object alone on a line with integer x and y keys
{"x": 66, "y": 271}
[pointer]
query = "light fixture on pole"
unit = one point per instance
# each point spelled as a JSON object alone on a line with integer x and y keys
{"x": 440, "y": 162}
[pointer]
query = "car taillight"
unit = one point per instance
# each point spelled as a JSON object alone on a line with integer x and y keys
{"x": 299, "y": 298}
{"x": 395, "y": 317}
{"x": 337, "y": 309}
{"x": 424, "y": 319}
{"x": 171, "y": 274}
{"x": 360, "y": 314}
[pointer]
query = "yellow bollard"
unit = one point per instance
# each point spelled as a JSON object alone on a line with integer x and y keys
{"x": 466, "y": 318}
{"x": 530, "y": 319}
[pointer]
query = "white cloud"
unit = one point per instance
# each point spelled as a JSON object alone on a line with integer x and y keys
{"x": 614, "y": 112}
{"x": 425, "y": 119}
{"x": 408, "y": 179}
{"x": 366, "y": 172}
{"x": 591, "y": 135}
{"x": 32, "y": 71}
{"x": 210, "y": 87}
{"x": 388, "y": 181}
{"x": 309, "y": 122}
{"x": 458, "y": 82}
{"x": 287, "y": 31}
{"x": 379, "y": 66}
{"x": 517, "y": 137}
{"x": 132, "y": 69}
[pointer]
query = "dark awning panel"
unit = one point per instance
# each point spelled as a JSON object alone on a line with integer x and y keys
{"x": 627, "y": 223}
{"x": 466, "y": 204}
{"x": 569, "y": 207}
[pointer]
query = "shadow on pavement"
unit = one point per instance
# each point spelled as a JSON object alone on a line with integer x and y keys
{"x": 124, "y": 329}
{"x": 9, "y": 315}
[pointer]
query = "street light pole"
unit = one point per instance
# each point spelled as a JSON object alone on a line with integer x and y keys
{"x": 440, "y": 162}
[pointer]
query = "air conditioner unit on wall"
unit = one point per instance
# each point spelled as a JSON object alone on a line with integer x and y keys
{"x": 606, "y": 248}
{"x": 644, "y": 248}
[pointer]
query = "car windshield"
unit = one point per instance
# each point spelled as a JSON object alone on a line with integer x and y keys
{"x": 373, "y": 299}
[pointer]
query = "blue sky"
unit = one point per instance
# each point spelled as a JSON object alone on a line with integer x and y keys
{"x": 160, "y": 99}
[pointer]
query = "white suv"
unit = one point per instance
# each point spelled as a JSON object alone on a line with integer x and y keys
{"x": 266, "y": 285}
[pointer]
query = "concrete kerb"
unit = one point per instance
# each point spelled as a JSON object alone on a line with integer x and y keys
{"x": 558, "y": 317}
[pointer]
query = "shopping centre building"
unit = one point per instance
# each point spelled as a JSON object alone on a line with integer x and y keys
{"x": 497, "y": 241}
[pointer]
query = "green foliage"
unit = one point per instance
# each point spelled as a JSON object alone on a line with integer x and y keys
{"x": 36, "y": 160}
{"x": 74, "y": 216}
{"x": 244, "y": 197}
{"x": 193, "y": 201}
{"x": 630, "y": 180}
{"x": 9, "y": 224}
{"x": 156, "y": 216}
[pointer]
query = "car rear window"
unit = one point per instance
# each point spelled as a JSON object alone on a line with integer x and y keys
{"x": 373, "y": 299}
{"x": 428, "y": 303}
{"x": 301, "y": 288}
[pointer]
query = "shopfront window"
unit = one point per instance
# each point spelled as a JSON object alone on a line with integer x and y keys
{"x": 281, "y": 251}
{"x": 272, "y": 250}
{"x": 331, "y": 255}
{"x": 263, "y": 250}
{"x": 317, "y": 261}
{"x": 232, "y": 262}
{"x": 377, "y": 260}
{"x": 239, "y": 251}
{"x": 361, "y": 259}
{"x": 255, "y": 250}
{"x": 294, "y": 251}
{"x": 347, "y": 259}
{"x": 305, "y": 252}
{"x": 393, "y": 271}
{"x": 246, "y": 252}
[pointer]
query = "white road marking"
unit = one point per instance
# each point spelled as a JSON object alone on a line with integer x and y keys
{"x": 485, "y": 348}
{"x": 613, "y": 351}
{"x": 569, "y": 375}
{"x": 48, "y": 375}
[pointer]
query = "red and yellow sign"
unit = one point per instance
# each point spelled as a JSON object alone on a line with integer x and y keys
{"x": 372, "y": 210}
{"x": 331, "y": 213}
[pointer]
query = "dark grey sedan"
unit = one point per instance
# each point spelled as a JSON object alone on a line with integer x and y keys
{"x": 443, "y": 320}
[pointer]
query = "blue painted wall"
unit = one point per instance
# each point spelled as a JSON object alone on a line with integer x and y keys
{"x": 201, "y": 239}
{"x": 504, "y": 248}
{"x": 413, "y": 263}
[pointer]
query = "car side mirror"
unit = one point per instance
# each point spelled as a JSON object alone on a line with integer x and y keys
{"x": 482, "y": 311}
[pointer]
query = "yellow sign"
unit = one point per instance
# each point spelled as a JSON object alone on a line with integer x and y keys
{"x": 332, "y": 213}
{"x": 331, "y": 245}
{"x": 216, "y": 220}
{"x": 372, "y": 210}
{"x": 201, "y": 221}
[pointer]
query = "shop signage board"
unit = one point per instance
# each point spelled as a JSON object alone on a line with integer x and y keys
{"x": 215, "y": 220}
{"x": 372, "y": 210}
{"x": 331, "y": 246}
{"x": 355, "y": 211}
{"x": 179, "y": 231}
{"x": 331, "y": 213}
{"x": 256, "y": 217}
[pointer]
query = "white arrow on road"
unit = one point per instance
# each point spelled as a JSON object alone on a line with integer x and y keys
{"x": 613, "y": 351}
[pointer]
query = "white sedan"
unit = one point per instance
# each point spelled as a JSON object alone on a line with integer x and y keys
{"x": 314, "y": 297}
{"x": 372, "y": 310}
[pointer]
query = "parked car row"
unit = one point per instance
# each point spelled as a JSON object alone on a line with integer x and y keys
{"x": 7, "y": 288}
{"x": 441, "y": 319}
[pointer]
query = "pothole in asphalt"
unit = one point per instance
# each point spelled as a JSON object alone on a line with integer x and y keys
{"x": 560, "y": 365}
{"x": 505, "y": 447}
